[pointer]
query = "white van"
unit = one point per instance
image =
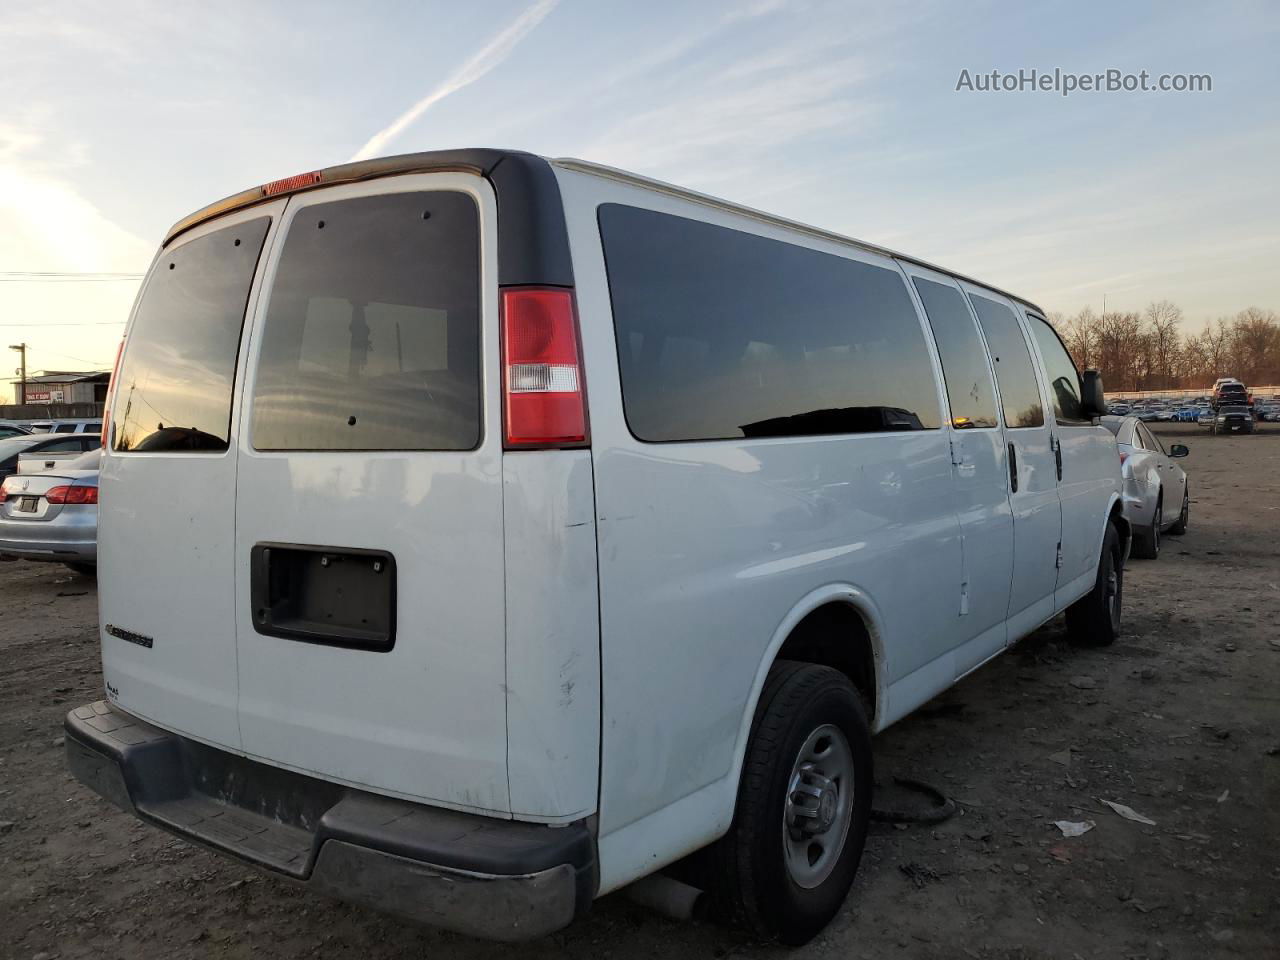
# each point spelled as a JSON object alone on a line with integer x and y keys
{"x": 481, "y": 533}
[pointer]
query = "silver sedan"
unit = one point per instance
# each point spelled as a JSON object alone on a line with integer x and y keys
{"x": 53, "y": 514}
{"x": 1154, "y": 486}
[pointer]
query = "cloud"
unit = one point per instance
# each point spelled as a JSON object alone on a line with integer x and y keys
{"x": 480, "y": 63}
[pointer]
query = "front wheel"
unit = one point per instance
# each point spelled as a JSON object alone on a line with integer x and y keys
{"x": 1094, "y": 619}
{"x": 804, "y": 802}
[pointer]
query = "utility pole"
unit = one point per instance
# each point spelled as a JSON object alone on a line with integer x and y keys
{"x": 22, "y": 388}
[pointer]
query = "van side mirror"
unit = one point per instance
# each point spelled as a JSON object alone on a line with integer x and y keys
{"x": 1092, "y": 402}
{"x": 1178, "y": 450}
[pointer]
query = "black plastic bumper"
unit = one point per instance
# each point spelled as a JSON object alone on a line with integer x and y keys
{"x": 498, "y": 879}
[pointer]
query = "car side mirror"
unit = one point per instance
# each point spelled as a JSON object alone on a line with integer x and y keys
{"x": 1178, "y": 450}
{"x": 1092, "y": 401}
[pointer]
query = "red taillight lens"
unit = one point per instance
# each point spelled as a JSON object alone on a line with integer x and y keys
{"x": 4, "y": 494}
{"x": 1123, "y": 457}
{"x": 291, "y": 183}
{"x": 544, "y": 400}
{"x": 71, "y": 493}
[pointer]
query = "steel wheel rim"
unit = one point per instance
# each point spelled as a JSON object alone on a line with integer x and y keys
{"x": 818, "y": 808}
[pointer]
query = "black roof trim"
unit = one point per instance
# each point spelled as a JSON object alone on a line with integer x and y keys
{"x": 533, "y": 243}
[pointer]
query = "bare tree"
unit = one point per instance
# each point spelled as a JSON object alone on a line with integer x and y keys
{"x": 1162, "y": 320}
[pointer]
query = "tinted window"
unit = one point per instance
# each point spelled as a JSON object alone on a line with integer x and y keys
{"x": 1019, "y": 395}
{"x": 175, "y": 378}
{"x": 724, "y": 334}
{"x": 964, "y": 361}
{"x": 61, "y": 446}
{"x": 1064, "y": 379}
{"x": 372, "y": 335}
{"x": 65, "y": 428}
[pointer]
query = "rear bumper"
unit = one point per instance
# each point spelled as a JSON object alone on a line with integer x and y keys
{"x": 71, "y": 537}
{"x": 497, "y": 879}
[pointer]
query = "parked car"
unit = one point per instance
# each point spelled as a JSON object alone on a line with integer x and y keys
{"x": 88, "y": 425}
{"x": 8, "y": 429}
{"x": 1207, "y": 417}
{"x": 594, "y": 630}
{"x": 12, "y": 448}
{"x": 1232, "y": 418}
{"x": 53, "y": 515}
{"x": 1153, "y": 484}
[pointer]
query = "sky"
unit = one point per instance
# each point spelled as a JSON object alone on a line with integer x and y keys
{"x": 118, "y": 119}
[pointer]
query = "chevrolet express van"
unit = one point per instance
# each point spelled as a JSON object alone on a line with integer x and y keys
{"x": 481, "y": 533}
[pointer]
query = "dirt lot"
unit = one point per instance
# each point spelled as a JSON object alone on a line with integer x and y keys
{"x": 1180, "y": 720}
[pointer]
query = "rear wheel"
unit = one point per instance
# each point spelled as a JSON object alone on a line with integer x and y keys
{"x": 804, "y": 802}
{"x": 1180, "y": 525}
{"x": 1094, "y": 619}
{"x": 1146, "y": 543}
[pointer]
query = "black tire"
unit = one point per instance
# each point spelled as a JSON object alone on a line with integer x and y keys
{"x": 84, "y": 569}
{"x": 1094, "y": 620}
{"x": 1180, "y": 525}
{"x": 750, "y": 882}
{"x": 1146, "y": 541}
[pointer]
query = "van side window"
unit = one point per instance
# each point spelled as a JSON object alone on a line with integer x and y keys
{"x": 1019, "y": 395}
{"x": 372, "y": 331}
{"x": 723, "y": 334}
{"x": 964, "y": 362}
{"x": 1064, "y": 379}
{"x": 173, "y": 390}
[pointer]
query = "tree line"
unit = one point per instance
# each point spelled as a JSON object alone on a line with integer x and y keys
{"x": 1149, "y": 350}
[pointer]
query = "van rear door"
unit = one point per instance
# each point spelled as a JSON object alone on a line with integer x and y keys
{"x": 369, "y": 533}
{"x": 168, "y": 478}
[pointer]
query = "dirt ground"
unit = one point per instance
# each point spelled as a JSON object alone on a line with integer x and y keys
{"x": 1180, "y": 720}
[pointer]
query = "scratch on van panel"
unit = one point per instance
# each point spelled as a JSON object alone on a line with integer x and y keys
{"x": 580, "y": 523}
{"x": 566, "y": 690}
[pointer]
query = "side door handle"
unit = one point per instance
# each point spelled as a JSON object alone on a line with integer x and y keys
{"x": 1013, "y": 468}
{"x": 1057, "y": 456}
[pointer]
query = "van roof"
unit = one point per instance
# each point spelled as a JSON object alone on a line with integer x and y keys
{"x": 536, "y": 250}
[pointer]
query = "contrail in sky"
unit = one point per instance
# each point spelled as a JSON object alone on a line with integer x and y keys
{"x": 480, "y": 63}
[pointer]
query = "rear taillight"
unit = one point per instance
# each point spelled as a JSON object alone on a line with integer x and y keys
{"x": 71, "y": 493}
{"x": 543, "y": 389}
{"x": 4, "y": 494}
{"x": 1123, "y": 457}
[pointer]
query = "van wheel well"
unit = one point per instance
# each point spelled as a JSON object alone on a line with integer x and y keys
{"x": 835, "y": 635}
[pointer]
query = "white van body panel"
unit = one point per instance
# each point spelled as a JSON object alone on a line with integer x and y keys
{"x": 1037, "y": 511}
{"x": 1086, "y": 489}
{"x": 175, "y": 590}
{"x": 553, "y": 634}
{"x": 427, "y": 719}
{"x": 980, "y": 471}
{"x": 706, "y": 547}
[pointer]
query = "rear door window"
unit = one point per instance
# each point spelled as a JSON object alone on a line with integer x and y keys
{"x": 173, "y": 389}
{"x": 1019, "y": 394}
{"x": 964, "y": 361}
{"x": 65, "y": 428}
{"x": 724, "y": 334}
{"x": 1064, "y": 379}
{"x": 372, "y": 332}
